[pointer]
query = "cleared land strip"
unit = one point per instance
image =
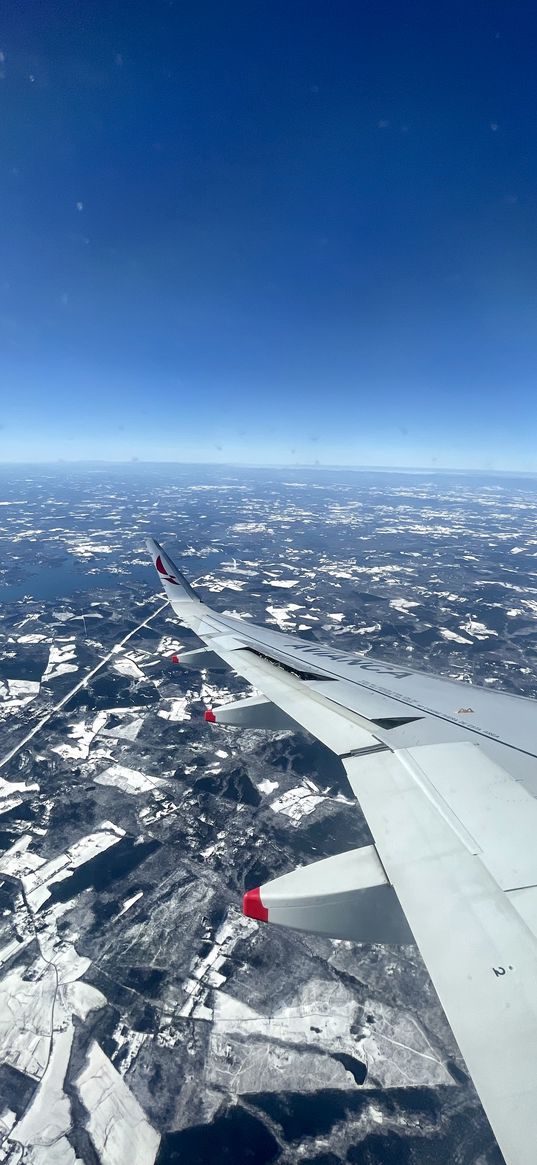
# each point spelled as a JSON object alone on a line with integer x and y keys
{"x": 81, "y": 683}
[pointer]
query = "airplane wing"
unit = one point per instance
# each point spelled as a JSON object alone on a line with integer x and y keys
{"x": 444, "y": 774}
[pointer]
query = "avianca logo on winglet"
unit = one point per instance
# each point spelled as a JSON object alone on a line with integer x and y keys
{"x": 162, "y": 570}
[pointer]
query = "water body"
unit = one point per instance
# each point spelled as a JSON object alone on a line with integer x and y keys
{"x": 56, "y": 582}
{"x": 356, "y": 1068}
{"x": 234, "y": 1138}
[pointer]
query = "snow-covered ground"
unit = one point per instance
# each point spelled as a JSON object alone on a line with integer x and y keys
{"x": 477, "y": 629}
{"x": 452, "y": 636}
{"x": 38, "y": 1001}
{"x": 397, "y": 1051}
{"x": 205, "y": 972}
{"x": 126, "y": 666}
{"x": 283, "y": 617}
{"x": 117, "y": 1125}
{"x": 169, "y": 645}
{"x": 284, "y": 583}
{"x": 15, "y": 694}
{"x": 25, "y": 1014}
{"x": 82, "y": 735}
{"x": 46, "y": 1122}
{"x": 128, "y": 780}
{"x": 37, "y": 875}
{"x": 128, "y": 1044}
{"x": 403, "y": 605}
{"x": 297, "y": 802}
{"x": 216, "y": 585}
{"x": 175, "y": 709}
{"x": 19, "y": 859}
{"x": 267, "y": 786}
{"x": 130, "y": 902}
{"x": 10, "y": 793}
{"x": 128, "y": 727}
{"x": 320, "y": 1022}
{"x": 60, "y": 661}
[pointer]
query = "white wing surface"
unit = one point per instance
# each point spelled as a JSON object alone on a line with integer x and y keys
{"x": 445, "y": 775}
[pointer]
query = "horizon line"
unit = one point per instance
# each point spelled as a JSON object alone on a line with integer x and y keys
{"x": 134, "y": 462}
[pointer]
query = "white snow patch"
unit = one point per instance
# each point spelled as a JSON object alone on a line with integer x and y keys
{"x": 297, "y": 803}
{"x": 205, "y": 971}
{"x": 10, "y": 790}
{"x": 251, "y": 528}
{"x": 117, "y": 1125}
{"x": 452, "y": 635}
{"x": 129, "y": 725}
{"x": 37, "y": 881}
{"x": 128, "y": 780}
{"x": 286, "y": 583}
{"x": 282, "y": 617}
{"x": 130, "y": 902}
{"x": 19, "y": 688}
{"x": 46, "y": 1122}
{"x": 478, "y": 630}
{"x": 82, "y": 734}
{"x": 127, "y": 667}
{"x": 18, "y": 859}
{"x": 177, "y": 709}
{"x": 267, "y": 786}
{"x": 169, "y": 646}
{"x": 16, "y": 694}
{"x": 60, "y": 659}
{"x": 403, "y": 605}
{"x": 41, "y": 998}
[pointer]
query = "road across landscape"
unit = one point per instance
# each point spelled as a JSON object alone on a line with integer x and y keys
{"x": 81, "y": 683}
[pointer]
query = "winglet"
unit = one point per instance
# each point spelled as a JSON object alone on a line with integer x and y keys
{"x": 175, "y": 584}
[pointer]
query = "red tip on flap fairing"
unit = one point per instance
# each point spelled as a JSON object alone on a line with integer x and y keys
{"x": 253, "y": 907}
{"x": 209, "y": 716}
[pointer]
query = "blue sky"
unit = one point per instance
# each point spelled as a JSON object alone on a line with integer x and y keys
{"x": 269, "y": 232}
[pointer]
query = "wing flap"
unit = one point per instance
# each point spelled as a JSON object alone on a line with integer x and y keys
{"x": 496, "y": 814}
{"x": 482, "y": 960}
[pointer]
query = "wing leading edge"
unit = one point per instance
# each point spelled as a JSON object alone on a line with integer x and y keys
{"x": 453, "y": 865}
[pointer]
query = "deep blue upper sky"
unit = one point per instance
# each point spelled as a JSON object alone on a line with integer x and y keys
{"x": 269, "y": 231}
